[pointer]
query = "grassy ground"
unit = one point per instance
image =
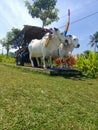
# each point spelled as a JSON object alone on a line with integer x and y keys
{"x": 33, "y": 101}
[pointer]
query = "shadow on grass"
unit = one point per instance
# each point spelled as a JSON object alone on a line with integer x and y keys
{"x": 67, "y": 73}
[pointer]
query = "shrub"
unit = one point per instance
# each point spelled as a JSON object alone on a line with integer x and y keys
{"x": 88, "y": 64}
{"x": 7, "y": 59}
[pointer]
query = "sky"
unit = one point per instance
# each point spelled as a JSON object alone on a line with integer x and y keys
{"x": 83, "y": 19}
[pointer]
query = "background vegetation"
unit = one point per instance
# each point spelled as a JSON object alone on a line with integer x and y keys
{"x": 7, "y": 59}
{"x": 88, "y": 64}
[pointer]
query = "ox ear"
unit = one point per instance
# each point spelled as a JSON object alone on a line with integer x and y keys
{"x": 56, "y": 29}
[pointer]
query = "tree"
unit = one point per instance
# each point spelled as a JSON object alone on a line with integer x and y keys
{"x": 43, "y": 9}
{"x": 9, "y": 37}
{"x": 94, "y": 41}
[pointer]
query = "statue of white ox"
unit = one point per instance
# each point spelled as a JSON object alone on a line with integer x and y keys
{"x": 58, "y": 44}
{"x": 37, "y": 48}
{"x": 63, "y": 51}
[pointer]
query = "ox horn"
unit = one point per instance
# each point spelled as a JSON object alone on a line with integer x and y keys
{"x": 67, "y": 25}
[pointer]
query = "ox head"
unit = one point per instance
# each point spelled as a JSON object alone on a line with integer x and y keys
{"x": 72, "y": 40}
{"x": 59, "y": 35}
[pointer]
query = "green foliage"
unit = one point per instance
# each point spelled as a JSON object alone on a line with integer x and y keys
{"x": 6, "y": 42}
{"x": 94, "y": 41}
{"x": 10, "y": 36}
{"x": 88, "y": 64}
{"x": 43, "y": 9}
{"x": 7, "y": 59}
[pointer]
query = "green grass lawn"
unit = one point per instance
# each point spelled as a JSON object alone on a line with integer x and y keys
{"x": 35, "y": 101}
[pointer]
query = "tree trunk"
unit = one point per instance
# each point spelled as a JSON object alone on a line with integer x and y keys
{"x": 7, "y": 49}
{"x": 43, "y": 22}
{"x": 43, "y": 25}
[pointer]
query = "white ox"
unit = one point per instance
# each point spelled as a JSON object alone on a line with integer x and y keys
{"x": 64, "y": 50}
{"x": 37, "y": 47}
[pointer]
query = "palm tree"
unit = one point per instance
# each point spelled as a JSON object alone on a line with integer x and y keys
{"x": 94, "y": 41}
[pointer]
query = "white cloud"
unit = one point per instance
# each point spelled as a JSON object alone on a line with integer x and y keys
{"x": 16, "y": 14}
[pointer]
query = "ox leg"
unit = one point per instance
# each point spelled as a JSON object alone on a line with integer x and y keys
{"x": 44, "y": 62}
{"x": 38, "y": 62}
{"x": 31, "y": 61}
{"x": 44, "y": 65}
{"x": 51, "y": 64}
{"x": 44, "y": 56}
{"x": 61, "y": 64}
{"x": 67, "y": 65}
